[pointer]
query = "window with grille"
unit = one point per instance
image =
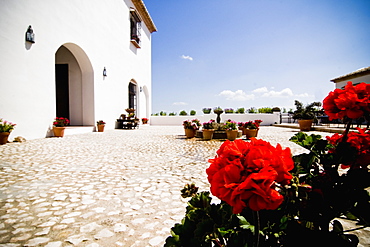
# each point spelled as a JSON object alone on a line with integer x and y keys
{"x": 135, "y": 23}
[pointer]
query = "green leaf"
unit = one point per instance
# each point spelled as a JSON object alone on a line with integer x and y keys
{"x": 350, "y": 216}
{"x": 200, "y": 200}
{"x": 172, "y": 242}
{"x": 284, "y": 222}
{"x": 303, "y": 162}
{"x": 244, "y": 224}
{"x": 304, "y": 140}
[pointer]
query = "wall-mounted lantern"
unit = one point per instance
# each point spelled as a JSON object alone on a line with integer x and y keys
{"x": 104, "y": 72}
{"x": 141, "y": 89}
{"x": 30, "y": 36}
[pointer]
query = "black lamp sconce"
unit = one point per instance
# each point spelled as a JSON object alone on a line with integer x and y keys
{"x": 104, "y": 72}
{"x": 141, "y": 89}
{"x": 30, "y": 36}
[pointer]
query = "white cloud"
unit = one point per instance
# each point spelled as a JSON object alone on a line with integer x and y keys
{"x": 260, "y": 90}
{"x": 187, "y": 57}
{"x": 303, "y": 95}
{"x": 238, "y": 95}
{"x": 179, "y": 103}
{"x": 286, "y": 92}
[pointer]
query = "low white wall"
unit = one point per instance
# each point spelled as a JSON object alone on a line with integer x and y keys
{"x": 268, "y": 119}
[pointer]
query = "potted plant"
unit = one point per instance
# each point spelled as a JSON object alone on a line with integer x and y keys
{"x": 101, "y": 125}
{"x": 229, "y": 110}
{"x": 59, "y": 126}
{"x": 209, "y": 129}
{"x": 240, "y": 126}
{"x": 305, "y": 114}
{"x": 276, "y": 109}
{"x": 251, "y": 128}
{"x": 135, "y": 38}
{"x": 130, "y": 110}
{"x": 231, "y": 130}
{"x": 207, "y": 110}
{"x": 145, "y": 120}
{"x": 131, "y": 115}
{"x": 191, "y": 127}
{"x": 5, "y": 129}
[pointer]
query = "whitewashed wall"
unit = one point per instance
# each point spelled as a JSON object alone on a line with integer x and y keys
{"x": 354, "y": 81}
{"x": 268, "y": 119}
{"x": 100, "y": 32}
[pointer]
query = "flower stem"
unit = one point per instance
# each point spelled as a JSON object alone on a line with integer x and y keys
{"x": 347, "y": 130}
{"x": 256, "y": 217}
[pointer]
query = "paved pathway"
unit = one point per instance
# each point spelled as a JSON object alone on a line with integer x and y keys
{"x": 117, "y": 188}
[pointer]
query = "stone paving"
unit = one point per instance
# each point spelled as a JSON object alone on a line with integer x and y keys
{"x": 116, "y": 188}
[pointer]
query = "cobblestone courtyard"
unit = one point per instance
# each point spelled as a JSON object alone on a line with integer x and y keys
{"x": 117, "y": 188}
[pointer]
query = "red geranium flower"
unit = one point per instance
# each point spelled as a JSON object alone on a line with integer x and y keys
{"x": 359, "y": 140}
{"x": 244, "y": 174}
{"x": 352, "y": 102}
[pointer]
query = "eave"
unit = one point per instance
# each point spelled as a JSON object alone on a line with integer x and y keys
{"x": 144, "y": 14}
{"x": 355, "y": 74}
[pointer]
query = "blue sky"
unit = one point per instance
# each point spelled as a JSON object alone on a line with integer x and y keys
{"x": 253, "y": 53}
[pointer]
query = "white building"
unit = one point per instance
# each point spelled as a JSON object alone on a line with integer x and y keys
{"x": 356, "y": 77}
{"x": 61, "y": 73}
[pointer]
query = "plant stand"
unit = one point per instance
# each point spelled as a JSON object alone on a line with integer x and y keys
{"x": 218, "y": 112}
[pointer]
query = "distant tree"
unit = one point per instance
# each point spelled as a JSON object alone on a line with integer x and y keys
{"x": 183, "y": 113}
{"x": 240, "y": 110}
{"x": 252, "y": 110}
{"x": 265, "y": 110}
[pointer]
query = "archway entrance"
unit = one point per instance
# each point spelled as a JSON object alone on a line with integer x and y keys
{"x": 74, "y": 85}
{"x": 132, "y": 98}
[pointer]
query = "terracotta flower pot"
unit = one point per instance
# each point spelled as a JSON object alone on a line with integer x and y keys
{"x": 190, "y": 133}
{"x": 305, "y": 125}
{"x": 101, "y": 127}
{"x": 59, "y": 131}
{"x": 208, "y": 134}
{"x": 4, "y": 137}
{"x": 249, "y": 133}
{"x": 231, "y": 135}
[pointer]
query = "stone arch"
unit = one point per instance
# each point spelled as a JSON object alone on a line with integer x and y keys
{"x": 77, "y": 100}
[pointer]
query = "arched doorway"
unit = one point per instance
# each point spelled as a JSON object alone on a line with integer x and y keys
{"x": 132, "y": 96}
{"x": 74, "y": 83}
